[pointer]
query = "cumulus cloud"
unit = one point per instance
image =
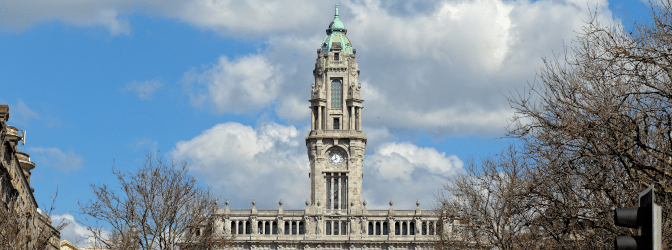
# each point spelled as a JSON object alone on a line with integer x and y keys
{"x": 406, "y": 173}
{"x": 55, "y": 158}
{"x": 242, "y": 162}
{"x": 73, "y": 232}
{"x": 444, "y": 66}
{"x": 144, "y": 90}
{"x": 269, "y": 163}
{"x": 246, "y": 83}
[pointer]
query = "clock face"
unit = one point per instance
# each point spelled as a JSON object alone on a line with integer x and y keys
{"x": 336, "y": 158}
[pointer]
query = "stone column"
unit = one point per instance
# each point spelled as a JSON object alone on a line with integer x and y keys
{"x": 359, "y": 120}
{"x": 331, "y": 193}
{"x": 319, "y": 118}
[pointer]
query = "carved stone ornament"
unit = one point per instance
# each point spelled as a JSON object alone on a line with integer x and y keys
{"x": 353, "y": 71}
{"x": 359, "y": 86}
{"x": 352, "y": 246}
{"x": 312, "y": 86}
{"x": 279, "y": 217}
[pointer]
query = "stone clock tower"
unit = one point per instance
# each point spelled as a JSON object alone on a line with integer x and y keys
{"x": 336, "y": 142}
{"x": 335, "y": 216}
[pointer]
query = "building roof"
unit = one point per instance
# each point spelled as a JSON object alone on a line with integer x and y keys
{"x": 336, "y": 36}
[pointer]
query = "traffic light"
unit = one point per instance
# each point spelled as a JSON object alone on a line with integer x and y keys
{"x": 647, "y": 217}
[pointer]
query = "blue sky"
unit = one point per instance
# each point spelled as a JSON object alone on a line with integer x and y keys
{"x": 96, "y": 83}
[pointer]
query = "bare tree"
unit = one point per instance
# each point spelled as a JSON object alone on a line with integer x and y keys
{"x": 159, "y": 207}
{"x": 27, "y": 229}
{"x": 598, "y": 124}
{"x": 489, "y": 202}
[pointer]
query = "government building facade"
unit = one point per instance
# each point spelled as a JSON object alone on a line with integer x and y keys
{"x": 335, "y": 216}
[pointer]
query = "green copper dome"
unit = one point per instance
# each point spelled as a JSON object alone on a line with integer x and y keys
{"x": 336, "y": 36}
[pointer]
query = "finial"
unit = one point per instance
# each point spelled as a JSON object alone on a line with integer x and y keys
{"x": 280, "y": 202}
{"x": 336, "y": 15}
{"x": 364, "y": 203}
{"x": 307, "y": 202}
{"x": 254, "y": 202}
{"x": 417, "y": 203}
{"x": 226, "y": 202}
{"x": 217, "y": 202}
{"x": 391, "y": 203}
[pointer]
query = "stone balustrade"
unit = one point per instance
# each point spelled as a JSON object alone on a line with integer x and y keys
{"x": 328, "y": 225}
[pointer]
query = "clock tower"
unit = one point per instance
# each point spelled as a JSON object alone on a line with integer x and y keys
{"x": 336, "y": 142}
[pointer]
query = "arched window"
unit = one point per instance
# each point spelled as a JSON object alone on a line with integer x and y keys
{"x": 302, "y": 228}
{"x": 384, "y": 228}
{"x": 396, "y": 228}
{"x": 328, "y": 228}
{"x": 370, "y": 228}
{"x": 275, "y": 227}
{"x": 411, "y": 228}
{"x": 267, "y": 227}
{"x": 424, "y": 228}
{"x": 404, "y": 230}
{"x": 287, "y": 227}
{"x": 233, "y": 227}
{"x": 336, "y": 94}
{"x": 248, "y": 227}
{"x": 240, "y": 228}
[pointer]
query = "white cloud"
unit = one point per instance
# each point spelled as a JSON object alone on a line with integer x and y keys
{"x": 73, "y": 232}
{"x": 444, "y": 66}
{"x": 17, "y": 15}
{"x": 55, "y": 158}
{"x": 247, "y": 83}
{"x": 144, "y": 90}
{"x": 406, "y": 173}
{"x": 241, "y": 163}
{"x": 22, "y": 114}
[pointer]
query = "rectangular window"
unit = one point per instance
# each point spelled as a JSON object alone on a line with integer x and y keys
{"x": 336, "y": 57}
{"x": 336, "y": 94}
{"x": 344, "y": 192}
{"x": 337, "y": 123}
{"x": 336, "y": 193}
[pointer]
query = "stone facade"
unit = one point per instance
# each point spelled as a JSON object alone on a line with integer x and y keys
{"x": 16, "y": 196}
{"x": 335, "y": 216}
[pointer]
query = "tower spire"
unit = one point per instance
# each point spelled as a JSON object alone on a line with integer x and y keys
{"x": 336, "y": 14}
